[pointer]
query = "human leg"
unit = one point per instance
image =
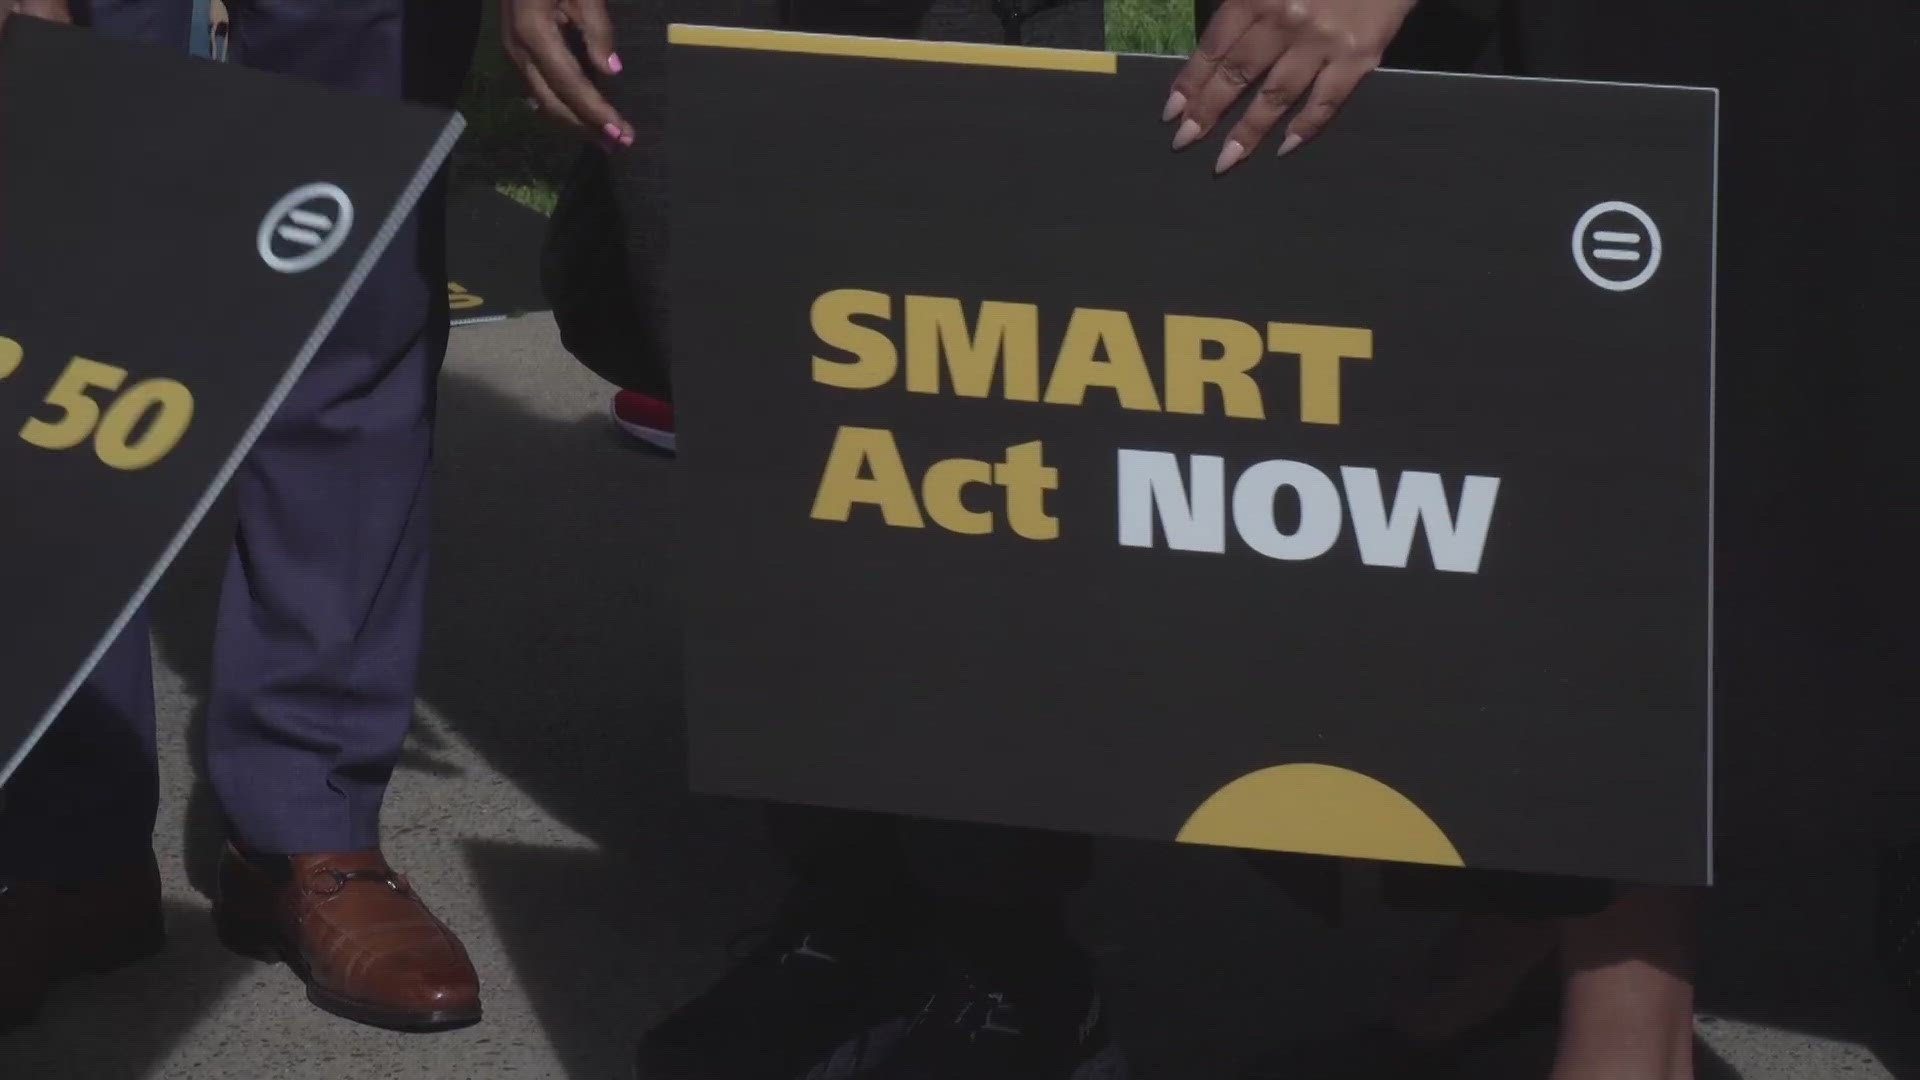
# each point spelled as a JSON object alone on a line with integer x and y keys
{"x": 321, "y": 617}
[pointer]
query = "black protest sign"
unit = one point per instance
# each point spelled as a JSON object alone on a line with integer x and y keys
{"x": 493, "y": 255}
{"x": 178, "y": 237}
{"x": 1356, "y": 502}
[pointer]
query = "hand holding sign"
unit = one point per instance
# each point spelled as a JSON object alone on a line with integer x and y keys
{"x": 1313, "y": 49}
{"x": 531, "y": 32}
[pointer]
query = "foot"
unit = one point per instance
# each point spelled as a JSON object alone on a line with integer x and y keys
{"x": 355, "y": 932}
{"x": 52, "y": 931}
{"x": 645, "y": 418}
{"x": 826, "y": 1005}
{"x": 803, "y": 1003}
{"x": 969, "y": 1030}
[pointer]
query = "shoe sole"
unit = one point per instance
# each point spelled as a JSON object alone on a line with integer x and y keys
{"x": 654, "y": 437}
{"x": 386, "y": 1018}
{"x": 1109, "y": 1064}
{"x": 375, "y": 1016}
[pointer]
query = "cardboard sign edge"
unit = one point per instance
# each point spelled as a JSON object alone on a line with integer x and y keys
{"x": 349, "y": 288}
{"x": 835, "y": 46}
{"x": 988, "y": 54}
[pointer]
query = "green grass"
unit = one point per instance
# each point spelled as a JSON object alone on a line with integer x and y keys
{"x": 1162, "y": 27}
{"x": 541, "y": 195}
{"x": 508, "y": 144}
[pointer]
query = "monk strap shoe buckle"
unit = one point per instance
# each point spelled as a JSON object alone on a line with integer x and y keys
{"x": 326, "y": 881}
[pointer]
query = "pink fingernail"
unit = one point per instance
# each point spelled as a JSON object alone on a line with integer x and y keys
{"x": 1176, "y": 104}
{"x": 1290, "y": 144}
{"x": 614, "y": 65}
{"x": 626, "y": 140}
{"x": 613, "y": 132}
{"x": 1189, "y": 133}
{"x": 1230, "y": 156}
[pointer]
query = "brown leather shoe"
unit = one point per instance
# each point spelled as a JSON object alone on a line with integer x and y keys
{"x": 355, "y": 932}
{"x": 51, "y": 931}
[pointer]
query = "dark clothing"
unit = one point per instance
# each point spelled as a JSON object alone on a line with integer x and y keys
{"x": 1817, "y": 491}
{"x": 614, "y": 317}
{"x": 321, "y": 616}
{"x": 996, "y": 894}
{"x": 1816, "y": 501}
{"x": 1816, "y": 480}
{"x": 994, "y": 897}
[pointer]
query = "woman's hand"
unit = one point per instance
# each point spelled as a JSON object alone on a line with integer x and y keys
{"x": 532, "y": 31}
{"x": 51, "y": 10}
{"x": 1286, "y": 51}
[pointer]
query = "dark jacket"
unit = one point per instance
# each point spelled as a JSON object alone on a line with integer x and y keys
{"x": 604, "y": 268}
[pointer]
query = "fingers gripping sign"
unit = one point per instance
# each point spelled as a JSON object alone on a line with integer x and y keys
{"x": 1298, "y": 57}
{"x": 534, "y": 35}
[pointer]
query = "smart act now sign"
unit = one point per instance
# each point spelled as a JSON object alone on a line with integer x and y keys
{"x": 162, "y": 283}
{"x": 1354, "y": 503}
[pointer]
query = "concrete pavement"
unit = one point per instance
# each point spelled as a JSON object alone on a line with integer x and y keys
{"x": 541, "y": 807}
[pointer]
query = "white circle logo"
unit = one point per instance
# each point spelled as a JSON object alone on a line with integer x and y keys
{"x": 306, "y": 228}
{"x": 1617, "y": 246}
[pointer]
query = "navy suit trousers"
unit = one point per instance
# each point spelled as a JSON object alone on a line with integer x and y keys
{"x": 321, "y": 613}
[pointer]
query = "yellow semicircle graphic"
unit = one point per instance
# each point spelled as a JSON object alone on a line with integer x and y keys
{"x": 1319, "y": 810}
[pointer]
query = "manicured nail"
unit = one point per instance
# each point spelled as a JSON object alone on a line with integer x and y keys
{"x": 614, "y": 65}
{"x": 613, "y": 131}
{"x": 1188, "y": 134}
{"x": 1176, "y": 104}
{"x": 626, "y": 140}
{"x": 1230, "y": 156}
{"x": 1290, "y": 144}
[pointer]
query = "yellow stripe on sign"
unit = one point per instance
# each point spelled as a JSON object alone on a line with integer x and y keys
{"x": 937, "y": 52}
{"x": 1319, "y": 810}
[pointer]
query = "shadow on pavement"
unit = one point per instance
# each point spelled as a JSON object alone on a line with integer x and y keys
{"x": 122, "y": 1025}
{"x": 554, "y": 652}
{"x": 1792, "y": 949}
{"x": 557, "y": 657}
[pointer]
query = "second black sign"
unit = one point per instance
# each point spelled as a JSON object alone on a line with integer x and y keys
{"x": 1352, "y": 503}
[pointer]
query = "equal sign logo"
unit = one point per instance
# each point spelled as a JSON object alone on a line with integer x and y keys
{"x": 1630, "y": 252}
{"x": 1617, "y": 246}
{"x": 305, "y": 228}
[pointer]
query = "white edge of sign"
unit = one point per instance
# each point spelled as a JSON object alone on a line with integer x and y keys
{"x": 1713, "y": 468}
{"x": 409, "y": 197}
{"x": 1495, "y": 77}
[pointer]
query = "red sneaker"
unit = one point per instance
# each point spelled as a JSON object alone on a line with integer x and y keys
{"x": 645, "y": 418}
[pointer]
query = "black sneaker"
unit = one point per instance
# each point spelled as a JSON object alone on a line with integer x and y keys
{"x": 969, "y": 1031}
{"x": 803, "y": 1005}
